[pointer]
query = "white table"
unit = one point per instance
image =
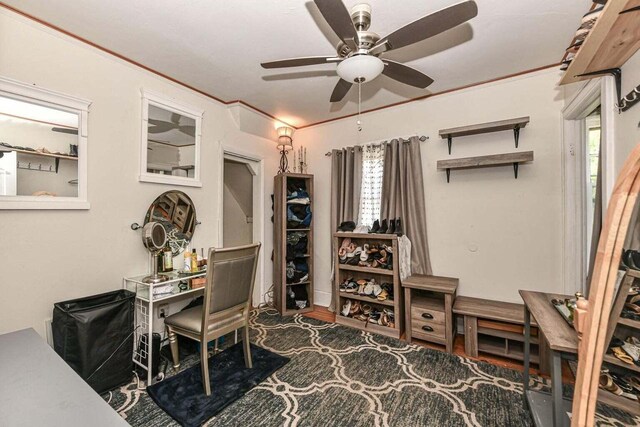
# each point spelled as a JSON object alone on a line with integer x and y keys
{"x": 144, "y": 310}
{"x": 40, "y": 389}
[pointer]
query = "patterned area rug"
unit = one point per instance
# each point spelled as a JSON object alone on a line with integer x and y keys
{"x": 340, "y": 376}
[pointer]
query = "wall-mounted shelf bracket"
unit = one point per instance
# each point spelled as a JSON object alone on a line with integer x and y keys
{"x": 615, "y": 72}
{"x": 449, "y": 142}
{"x": 515, "y": 169}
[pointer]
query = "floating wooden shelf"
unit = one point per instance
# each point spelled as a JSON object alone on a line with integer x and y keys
{"x": 36, "y": 153}
{"x": 477, "y": 129}
{"x": 486, "y": 161}
{"x": 611, "y": 42}
{"x": 56, "y": 157}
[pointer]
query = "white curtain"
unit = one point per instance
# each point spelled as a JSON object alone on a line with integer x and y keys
{"x": 371, "y": 193}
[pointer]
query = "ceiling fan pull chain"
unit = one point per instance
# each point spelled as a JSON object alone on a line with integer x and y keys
{"x": 359, "y": 123}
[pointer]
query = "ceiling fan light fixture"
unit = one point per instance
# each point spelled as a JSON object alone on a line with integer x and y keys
{"x": 360, "y": 68}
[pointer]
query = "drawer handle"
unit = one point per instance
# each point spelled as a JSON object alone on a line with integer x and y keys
{"x": 427, "y": 315}
{"x": 427, "y": 328}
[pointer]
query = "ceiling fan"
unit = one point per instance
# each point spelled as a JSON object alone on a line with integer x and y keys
{"x": 359, "y": 51}
{"x": 160, "y": 126}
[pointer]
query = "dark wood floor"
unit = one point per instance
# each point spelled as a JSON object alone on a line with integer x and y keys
{"x": 322, "y": 313}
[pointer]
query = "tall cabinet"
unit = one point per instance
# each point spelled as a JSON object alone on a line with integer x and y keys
{"x": 293, "y": 243}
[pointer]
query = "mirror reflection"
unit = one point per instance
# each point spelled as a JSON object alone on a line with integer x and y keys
{"x": 38, "y": 150}
{"x": 171, "y": 143}
{"x": 177, "y": 213}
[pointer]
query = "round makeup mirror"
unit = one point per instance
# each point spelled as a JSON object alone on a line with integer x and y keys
{"x": 177, "y": 214}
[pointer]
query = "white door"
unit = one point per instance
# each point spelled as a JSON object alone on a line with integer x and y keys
{"x": 8, "y": 173}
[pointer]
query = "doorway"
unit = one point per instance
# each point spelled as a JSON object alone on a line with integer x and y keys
{"x": 241, "y": 207}
{"x": 588, "y": 177}
{"x": 237, "y": 202}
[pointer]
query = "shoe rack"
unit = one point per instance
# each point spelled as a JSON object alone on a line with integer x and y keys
{"x": 381, "y": 275}
{"x": 280, "y": 232}
{"x": 622, "y": 328}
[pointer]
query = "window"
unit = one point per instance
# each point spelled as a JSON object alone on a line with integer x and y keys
{"x": 43, "y": 151}
{"x": 371, "y": 190}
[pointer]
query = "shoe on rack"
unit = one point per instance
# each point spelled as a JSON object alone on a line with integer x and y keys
{"x": 375, "y": 227}
{"x": 392, "y": 226}
{"x": 364, "y": 255}
{"x": 346, "y": 308}
{"x": 383, "y": 227}
{"x": 347, "y": 226}
{"x": 399, "y": 231}
{"x": 355, "y": 308}
{"x": 631, "y": 259}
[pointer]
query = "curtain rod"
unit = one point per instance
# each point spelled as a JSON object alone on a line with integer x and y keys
{"x": 420, "y": 138}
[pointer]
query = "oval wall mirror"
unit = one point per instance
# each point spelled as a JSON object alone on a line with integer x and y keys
{"x": 177, "y": 214}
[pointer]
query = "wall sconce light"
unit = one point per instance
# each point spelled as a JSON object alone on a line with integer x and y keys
{"x": 285, "y": 143}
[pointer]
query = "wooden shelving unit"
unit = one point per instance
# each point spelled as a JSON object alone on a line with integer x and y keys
{"x": 611, "y": 42}
{"x": 280, "y": 232}
{"x": 621, "y": 327}
{"x": 486, "y": 161}
{"x": 428, "y": 302}
{"x": 495, "y": 327}
{"x": 343, "y": 271}
{"x": 489, "y": 127}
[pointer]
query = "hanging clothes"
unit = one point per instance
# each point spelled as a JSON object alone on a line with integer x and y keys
{"x": 404, "y": 257}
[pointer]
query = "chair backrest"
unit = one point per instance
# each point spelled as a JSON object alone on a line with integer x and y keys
{"x": 231, "y": 274}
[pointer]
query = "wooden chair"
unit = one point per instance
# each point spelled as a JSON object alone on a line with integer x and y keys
{"x": 227, "y": 301}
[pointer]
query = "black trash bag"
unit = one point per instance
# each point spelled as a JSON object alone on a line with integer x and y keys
{"x": 94, "y": 335}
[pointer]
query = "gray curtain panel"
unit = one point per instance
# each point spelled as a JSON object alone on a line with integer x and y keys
{"x": 346, "y": 181}
{"x": 403, "y": 197}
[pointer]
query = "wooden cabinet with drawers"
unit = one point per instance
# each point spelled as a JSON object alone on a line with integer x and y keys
{"x": 428, "y": 309}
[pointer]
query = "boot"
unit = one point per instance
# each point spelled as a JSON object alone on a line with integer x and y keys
{"x": 383, "y": 227}
{"x": 392, "y": 226}
{"x": 399, "y": 231}
{"x": 376, "y": 226}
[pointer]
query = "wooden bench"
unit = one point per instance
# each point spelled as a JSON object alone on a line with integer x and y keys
{"x": 495, "y": 327}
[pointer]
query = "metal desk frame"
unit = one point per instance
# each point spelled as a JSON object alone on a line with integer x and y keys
{"x": 144, "y": 311}
{"x": 558, "y": 402}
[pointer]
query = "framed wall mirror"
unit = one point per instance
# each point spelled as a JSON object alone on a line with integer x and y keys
{"x": 43, "y": 148}
{"x": 170, "y": 143}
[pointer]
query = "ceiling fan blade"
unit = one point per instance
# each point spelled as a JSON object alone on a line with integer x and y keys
{"x": 188, "y": 130}
{"x": 427, "y": 26}
{"x": 298, "y": 62}
{"x": 70, "y": 131}
{"x": 339, "y": 19}
{"x": 160, "y": 128}
{"x": 405, "y": 74}
{"x": 340, "y": 90}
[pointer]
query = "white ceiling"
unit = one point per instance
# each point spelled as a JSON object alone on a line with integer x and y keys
{"x": 216, "y": 46}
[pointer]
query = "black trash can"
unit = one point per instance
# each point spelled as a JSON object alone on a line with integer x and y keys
{"x": 94, "y": 335}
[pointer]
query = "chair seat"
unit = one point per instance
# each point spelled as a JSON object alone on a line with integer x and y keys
{"x": 191, "y": 320}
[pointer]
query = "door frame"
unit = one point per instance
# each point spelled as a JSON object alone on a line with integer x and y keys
{"x": 599, "y": 90}
{"x": 251, "y": 160}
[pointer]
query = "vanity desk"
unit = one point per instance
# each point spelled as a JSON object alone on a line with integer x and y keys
{"x": 559, "y": 338}
{"x": 145, "y": 302}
